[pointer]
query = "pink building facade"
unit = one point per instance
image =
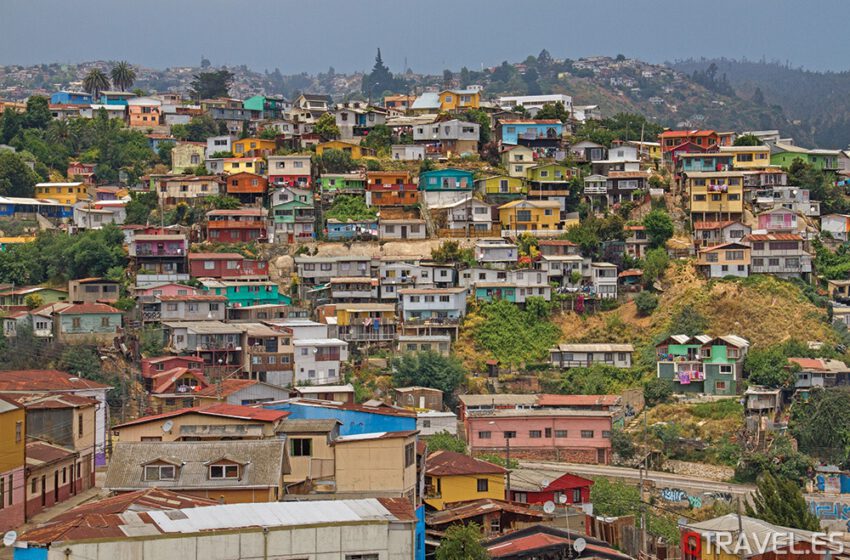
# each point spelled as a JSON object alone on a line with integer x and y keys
{"x": 554, "y": 435}
{"x": 13, "y": 513}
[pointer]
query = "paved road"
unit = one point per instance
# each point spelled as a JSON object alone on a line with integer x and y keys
{"x": 660, "y": 479}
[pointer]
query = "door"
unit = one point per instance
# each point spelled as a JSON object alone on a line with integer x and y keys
{"x": 404, "y": 232}
{"x": 56, "y": 486}
{"x": 43, "y": 491}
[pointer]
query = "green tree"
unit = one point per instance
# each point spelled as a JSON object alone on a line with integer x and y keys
{"x": 512, "y": 335}
{"x": 614, "y": 499}
{"x": 82, "y": 361}
{"x": 646, "y": 302}
{"x": 350, "y": 207}
{"x": 12, "y": 123}
{"x": 379, "y": 80}
{"x": 164, "y": 152}
{"x": 16, "y": 177}
{"x": 597, "y": 379}
{"x": 622, "y": 444}
{"x": 95, "y": 82}
{"x": 462, "y": 542}
{"x": 821, "y": 425}
{"x": 657, "y": 391}
{"x": 444, "y": 441}
{"x": 150, "y": 342}
{"x": 428, "y": 369}
{"x": 123, "y": 75}
{"x": 380, "y": 138}
{"x": 782, "y": 503}
{"x": 688, "y": 321}
{"x": 747, "y": 140}
{"x": 335, "y": 161}
{"x": 140, "y": 207}
{"x": 209, "y": 85}
{"x": 37, "y": 114}
{"x": 198, "y": 129}
{"x": 553, "y": 111}
{"x": 654, "y": 264}
{"x": 659, "y": 227}
{"x": 33, "y": 301}
{"x": 326, "y": 127}
{"x": 769, "y": 367}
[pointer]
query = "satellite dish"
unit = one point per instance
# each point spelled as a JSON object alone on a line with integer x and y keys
{"x": 166, "y": 427}
{"x": 562, "y": 498}
{"x": 9, "y": 538}
{"x": 549, "y": 507}
{"x": 545, "y": 483}
{"x": 579, "y": 544}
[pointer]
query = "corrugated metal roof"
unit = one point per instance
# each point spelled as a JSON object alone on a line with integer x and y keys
{"x": 596, "y": 348}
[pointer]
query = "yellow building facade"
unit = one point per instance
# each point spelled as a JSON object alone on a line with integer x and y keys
{"x": 454, "y": 100}
{"x": 354, "y": 150}
{"x": 715, "y": 195}
{"x": 501, "y": 184}
{"x": 748, "y": 157}
{"x": 64, "y": 193}
{"x": 531, "y": 215}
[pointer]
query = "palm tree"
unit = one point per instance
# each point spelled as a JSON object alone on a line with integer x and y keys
{"x": 95, "y": 82}
{"x": 123, "y": 75}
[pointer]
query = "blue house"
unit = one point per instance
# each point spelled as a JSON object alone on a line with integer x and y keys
{"x": 698, "y": 162}
{"x": 354, "y": 418}
{"x": 27, "y": 208}
{"x": 71, "y": 98}
{"x": 116, "y": 97}
{"x": 351, "y": 229}
{"x": 446, "y": 180}
{"x": 532, "y": 133}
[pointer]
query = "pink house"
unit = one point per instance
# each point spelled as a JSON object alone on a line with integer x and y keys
{"x": 575, "y": 436}
{"x": 778, "y": 219}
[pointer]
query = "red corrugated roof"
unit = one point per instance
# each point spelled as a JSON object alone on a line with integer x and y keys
{"x": 87, "y": 309}
{"x": 47, "y": 453}
{"x": 147, "y": 499}
{"x": 227, "y": 387}
{"x": 577, "y": 400}
{"x": 773, "y": 237}
{"x": 685, "y": 133}
{"x": 44, "y": 380}
{"x": 218, "y": 409}
{"x": 449, "y": 463}
{"x": 809, "y": 363}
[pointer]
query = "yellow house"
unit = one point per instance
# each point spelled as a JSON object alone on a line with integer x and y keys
{"x": 64, "y": 193}
{"x": 715, "y": 195}
{"x": 652, "y": 150}
{"x": 311, "y": 455}
{"x": 501, "y": 184}
{"x": 355, "y": 321}
{"x": 728, "y": 259}
{"x": 253, "y": 146}
{"x": 356, "y": 151}
{"x": 382, "y": 462}
{"x": 518, "y": 160}
{"x": 187, "y": 155}
{"x": 455, "y": 477}
{"x": 256, "y": 165}
{"x": 531, "y": 215}
{"x": 748, "y": 157}
{"x": 459, "y": 99}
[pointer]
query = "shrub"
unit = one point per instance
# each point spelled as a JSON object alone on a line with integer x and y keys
{"x": 646, "y": 303}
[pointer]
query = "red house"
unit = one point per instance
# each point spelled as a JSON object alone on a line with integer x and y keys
{"x": 153, "y": 366}
{"x": 237, "y": 226}
{"x": 529, "y": 486}
{"x": 247, "y": 187}
{"x": 226, "y": 265}
{"x": 79, "y": 171}
{"x": 672, "y": 139}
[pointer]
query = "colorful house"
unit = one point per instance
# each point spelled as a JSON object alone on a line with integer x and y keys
{"x": 237, "y": 226}
{"x": 823, "y": 160}
{"x": 336, "y": 183}
{"x": 528, "y": 132}
{"x": 290, "y": 171}
{"x": 531, "y": 215}
{"x": 64, "y": 193}
{"x": 454, "y": 477}
{"x": 226, "y": 265}
{"x": 530, "y": 486}
{"x": 70, "y": 98}
{"x": 12, "y": 464}
{"x": 356, "y": 151}
{"x": 160, "y": 254}
{"x": 253, "y": 147}
{"x": 450, "y": 179}
{"x": 351, "y": 229}
{"x": 293, "y": 221}
{"x": 727, "y": 259}
{"x": 245, "y": 293}
{"x": 702, "y": 364}
{"x": 503, "y": 185}
{"x": 705, "y": 162}
{"x": 238, "y": 165}
{"x": 87, "y": 321}
{"x": 716, "y": 195}
{"x": 80, "y": 171}
{"x": 518, "y": 160}
{"x": 672, "y": 139}
{"x": 187, "y": 155}
{"x": 247, "y": 187}
{"x": 459, "y": 99}
{"x": 144, "y": 112}
{"x": 390, "y": 188}
{"x": 748, "y": 157}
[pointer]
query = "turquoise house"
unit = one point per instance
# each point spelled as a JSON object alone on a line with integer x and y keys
{"x": 87, "y": 321}
{"x": 702, "y": 364}
{"x": 492, "y": 291}
{"x": 446, "y": 180}
{"x": 699, "y": 162}
{"x": 247, "y": 293}
{"x": 351, "y": 229}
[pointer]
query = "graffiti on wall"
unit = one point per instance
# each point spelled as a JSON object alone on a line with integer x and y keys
{"x": 832, "y": 514}
{"x": 679, "y": 495}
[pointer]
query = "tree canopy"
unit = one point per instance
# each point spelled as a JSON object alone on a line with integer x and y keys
{"x": 781, "y": 502}
{"x": 209, "y": 85}
{"x": 380, "y": 80}
{"x": 123, "y": 75}
{"x": 428, "y": 369}
{"x": 462, "y": 542}
{"x": 659, "y": 227}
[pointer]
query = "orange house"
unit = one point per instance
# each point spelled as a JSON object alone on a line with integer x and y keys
{"x": 671, "y": 139}
{"x": 390, "y": 188}
{"x": 247, "y": 187}
{"x": 144, "y": 112}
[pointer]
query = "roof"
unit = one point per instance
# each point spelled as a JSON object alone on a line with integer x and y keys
{"x": 578, "y": 400}
{"x": 193, "y": 297}
{"x": 234, "y": 411}
{"x": 40, "y": 453}
{"x": 526, "y": 203}
{"x": 596, "y": 347}
{"x": 53, "y": 401}
{"x": 313, "y": 389}
{"x": 533, "y": 542}
{"x": 44, "y": 380}
{"x": 755, "y": 532}
{"x": 809, "y": 363}
{"x": 262, "y": 462}
{"x": 686, "y": 133}
{"x": 497, "y": 400}
{"x": 353, "y": 438}
{"x": 538, "y": 480}
{"x": 556, "y": 243}
{"x": 475, "y": 508}
{"x": 239, "y": 212}
{"x": 378, "y": 408}
{"x": 542, "y": 412}
{"x": 435, "y": 291}
{"x": 304, "y": 425}
{"x": 140, "y": 500}
{"x": 773, "y": 237}
{"x": 451, "y": 463}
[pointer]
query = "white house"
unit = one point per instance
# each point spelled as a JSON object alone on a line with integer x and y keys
{"x": 408, "y": 152}
{"x": 837, "y": 225}
{"x": 403, "y": 228}
{"x": 535, "y": 101}
{"x": 495, "y": 252}
{"x": 433, "y": 422}
{"x": 584, "y": 355}
{"x": 433, "y": 303}
{"x": 603, "y": 277}
{"x": 317, "y": 360}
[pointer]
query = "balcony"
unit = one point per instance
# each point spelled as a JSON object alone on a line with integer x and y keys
{"x": 538, "y": 192}
{"x": 358, "y": 334}
{"x": 393, "y": 187}
{"x": 594, "y": 189}
{"x": 432, "y": 322}
{"x": 144, "y": 251}
{"x": 221, "y": 346}
{"x": 236, "y": 224}
{"x": 323, "y": 356}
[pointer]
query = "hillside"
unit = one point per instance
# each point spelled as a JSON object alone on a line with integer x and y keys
{"x": 816, "y": 102}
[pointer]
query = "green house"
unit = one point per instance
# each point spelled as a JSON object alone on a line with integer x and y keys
{"x": 824, "y": 160}
{"x": 247, "y": 293}
{"x": 333, "y": 183}
{"x": 702, "y": 364}
{"x": 492, "y": 291}
{"x": 17, "y": 297}
{"x": 446, "y": 180}
{"x": 549, "y": 173}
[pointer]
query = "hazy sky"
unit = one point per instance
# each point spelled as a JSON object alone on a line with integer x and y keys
{"x": 311, "y": 35}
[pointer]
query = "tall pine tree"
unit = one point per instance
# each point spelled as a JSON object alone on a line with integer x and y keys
{"x": 379, "y": 80}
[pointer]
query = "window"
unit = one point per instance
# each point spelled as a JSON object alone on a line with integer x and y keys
{"x": 158, "y": 472}
{"x": 302, "y": 447}
{"x": 606, "y": 434}
{"x": 79, "y": 425}
{"x": 75, "y": 322}
{"x": 224, "y": 471}
{"x": 509, "y": 435}
{"x": 577, "y": 496}
{"x": 33, "y": 488}
{"x": 699, "y": 198}
{"x": 727, "y": 369}
{"x": 548, "y": 432}
{"x": 587, "y": 434}
{"x": 361, "y": 557}
{"x": 535, "y": 434}
{"x": 483, "y": 485}
{"x": 444, "y": 299}
{"x": 484, "y": 435}
{"x": 772, "y": 262}
{"x": 521, "y": 497}
{"x": 409, "y": 454}
{"x": 720, "y": 385}
{"x": 734, "y": 255}
{"x": 19, "y": 429}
